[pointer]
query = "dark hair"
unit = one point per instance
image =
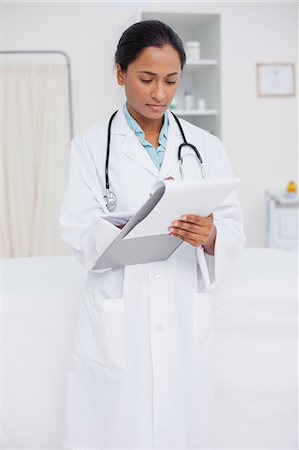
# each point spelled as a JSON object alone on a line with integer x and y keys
{"x": 147, "y": 33}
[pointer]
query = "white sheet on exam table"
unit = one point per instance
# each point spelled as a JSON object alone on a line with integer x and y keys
{"x": 255, "y": 350}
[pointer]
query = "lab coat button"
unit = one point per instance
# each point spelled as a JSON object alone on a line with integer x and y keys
{"x": 158, "y": 277}
{"x": 159, "y": 327}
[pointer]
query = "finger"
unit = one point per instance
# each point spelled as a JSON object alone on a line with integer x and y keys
{"x": 197, "y": 219}
{"x": 202, "y": 229}
{"x": 188, "y": 226}
{"x": 185, "y": 234}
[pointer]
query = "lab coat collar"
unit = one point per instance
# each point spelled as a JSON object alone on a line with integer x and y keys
{"x": 129, "y": 144}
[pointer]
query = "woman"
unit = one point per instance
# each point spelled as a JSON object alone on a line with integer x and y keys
{"x": 140, "y": 374}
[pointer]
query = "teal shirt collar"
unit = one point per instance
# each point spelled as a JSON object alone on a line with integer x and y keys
{"x": 135, "y": 127}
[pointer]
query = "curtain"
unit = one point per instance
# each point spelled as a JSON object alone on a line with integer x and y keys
{"x": 35, "y": 134}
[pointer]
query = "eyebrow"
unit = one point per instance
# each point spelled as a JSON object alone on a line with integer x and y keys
{"x": 151, "y": 73}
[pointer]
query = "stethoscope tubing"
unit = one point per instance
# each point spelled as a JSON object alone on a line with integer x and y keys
{"x": 185, "y": 143}
{"x": 108, "y": 151}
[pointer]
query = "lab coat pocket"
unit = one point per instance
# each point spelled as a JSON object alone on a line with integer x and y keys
{"x": 203, "y": 327}
{"x": 100, "y": 335}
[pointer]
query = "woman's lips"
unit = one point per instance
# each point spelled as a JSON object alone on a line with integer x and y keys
{"x": 156, "y": 108}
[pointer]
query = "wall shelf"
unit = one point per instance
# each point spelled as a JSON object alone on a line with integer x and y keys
{"x": 196, "y": 112}
{"x": 200, "y": 63}
{"x": 200, "y": 77}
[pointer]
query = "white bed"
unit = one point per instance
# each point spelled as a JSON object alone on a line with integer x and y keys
{"x": 255, "y": 350}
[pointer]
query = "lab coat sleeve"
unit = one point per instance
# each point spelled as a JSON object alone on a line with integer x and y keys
{"x": 230, "y": 239}
{"x": 81, "y": 226}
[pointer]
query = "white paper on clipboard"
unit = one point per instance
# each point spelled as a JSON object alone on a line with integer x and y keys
{"x": 183, "y": 197}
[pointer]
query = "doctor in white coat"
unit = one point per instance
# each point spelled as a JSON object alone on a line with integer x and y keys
{"x": 141, "y": 375}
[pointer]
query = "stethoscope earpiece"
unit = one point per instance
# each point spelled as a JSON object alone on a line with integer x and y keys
{"x": 110, "y": 198}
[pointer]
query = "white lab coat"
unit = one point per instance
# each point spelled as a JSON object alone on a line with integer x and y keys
{"x": 140, "y": 375}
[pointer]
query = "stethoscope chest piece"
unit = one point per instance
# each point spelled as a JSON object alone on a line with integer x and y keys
{"x": 110, "y": 200}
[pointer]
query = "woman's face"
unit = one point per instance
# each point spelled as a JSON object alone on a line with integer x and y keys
{"x": 151, "y": 82}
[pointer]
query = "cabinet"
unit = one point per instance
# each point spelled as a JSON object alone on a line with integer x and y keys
{"x": 282, "y": 220}
{"x": 200, "y": 77}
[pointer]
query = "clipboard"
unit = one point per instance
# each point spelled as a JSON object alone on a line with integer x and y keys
{"x": 145, "y": 237}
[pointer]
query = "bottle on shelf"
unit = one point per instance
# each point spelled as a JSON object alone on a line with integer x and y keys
{"x": 292, "y": 188}
{"x": 188, "y": 100}
{"x": 201, "y": 103}
{"x": 192, "y": 49}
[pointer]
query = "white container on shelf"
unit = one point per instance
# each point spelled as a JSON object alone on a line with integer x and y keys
{"x": 201, "y": 103}
{"x": 192, "y": 50}
{"x": 188, "y": 100}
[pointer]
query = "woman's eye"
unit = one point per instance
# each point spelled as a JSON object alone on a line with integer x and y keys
{"x": 145, "y": 81}
{"x": 170, "y": 82}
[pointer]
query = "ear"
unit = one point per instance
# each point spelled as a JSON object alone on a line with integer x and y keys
{"x": 120, "y": 75}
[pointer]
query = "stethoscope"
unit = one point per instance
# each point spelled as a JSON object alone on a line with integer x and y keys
{"x": 110, "y": 198}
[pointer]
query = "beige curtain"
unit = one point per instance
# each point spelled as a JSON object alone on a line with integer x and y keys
{"x": 35, "y": 134}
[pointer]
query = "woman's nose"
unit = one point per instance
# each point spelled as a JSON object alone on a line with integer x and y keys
{"x": 158, "y": 92}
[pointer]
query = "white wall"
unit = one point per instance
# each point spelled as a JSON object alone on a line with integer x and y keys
{"x": 260, "y": 134}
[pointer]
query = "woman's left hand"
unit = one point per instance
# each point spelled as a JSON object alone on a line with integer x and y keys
{"x": 196, "y": 231}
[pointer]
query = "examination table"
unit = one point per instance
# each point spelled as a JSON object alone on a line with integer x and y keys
{"x": 255, "y": 358}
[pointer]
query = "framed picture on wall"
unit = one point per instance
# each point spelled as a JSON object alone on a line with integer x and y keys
{"x": 275, "y": 80}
